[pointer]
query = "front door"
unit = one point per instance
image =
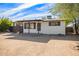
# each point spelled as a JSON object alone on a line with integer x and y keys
{"x": 38, "y": 27}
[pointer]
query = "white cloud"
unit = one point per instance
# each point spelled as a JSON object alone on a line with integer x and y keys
{"x": 34, "y": 15}
{"x": 17, "y": 15}
{"x": 20, "y": 14}
{"x": 49, "y": 5}
{"x": 14, "y": 10}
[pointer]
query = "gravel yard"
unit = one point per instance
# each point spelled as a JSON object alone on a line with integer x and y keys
{"x": 38, "y": 45}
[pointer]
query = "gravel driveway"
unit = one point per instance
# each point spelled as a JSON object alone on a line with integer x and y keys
{"x": 45, "y": 45}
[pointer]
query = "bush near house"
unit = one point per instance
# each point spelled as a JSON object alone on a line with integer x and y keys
{"x": 5, "y": 24}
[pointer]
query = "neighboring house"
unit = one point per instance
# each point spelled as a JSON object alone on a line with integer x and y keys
{"x": 49, "y": 26}
{"x": 17, "y": 26}
{"x": 70, "y": 26}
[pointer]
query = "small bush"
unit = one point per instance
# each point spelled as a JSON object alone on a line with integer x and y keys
{"x": 5, "y": 23}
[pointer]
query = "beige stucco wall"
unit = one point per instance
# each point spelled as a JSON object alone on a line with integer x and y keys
{"x": 46, "y": 29}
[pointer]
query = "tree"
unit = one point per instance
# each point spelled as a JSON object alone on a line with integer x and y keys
{"x": 5, "y": 23}
{"x": 68, "y": 12}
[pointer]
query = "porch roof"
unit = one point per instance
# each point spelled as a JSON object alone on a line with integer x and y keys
{"x": 47, "y": 20}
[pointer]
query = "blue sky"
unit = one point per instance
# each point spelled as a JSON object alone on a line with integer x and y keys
{"x": 19, "y": 11}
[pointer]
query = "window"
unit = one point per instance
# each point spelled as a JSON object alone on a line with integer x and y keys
{"x": 26, "y": 25}
{"x": 29, "y": 25}
{"x": 57, "y": 23}
{"x": 32, "y": 25}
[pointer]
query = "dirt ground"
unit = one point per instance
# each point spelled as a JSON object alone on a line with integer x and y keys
{"x": 38, "y": 45}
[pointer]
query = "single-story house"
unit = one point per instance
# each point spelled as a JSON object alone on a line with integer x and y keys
{"x": 50, "y": 26}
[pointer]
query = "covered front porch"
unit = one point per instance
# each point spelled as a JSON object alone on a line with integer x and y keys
{"x": 33, "y": 26}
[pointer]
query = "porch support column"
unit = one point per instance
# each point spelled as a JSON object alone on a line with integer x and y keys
{"x": 28, "y": 27}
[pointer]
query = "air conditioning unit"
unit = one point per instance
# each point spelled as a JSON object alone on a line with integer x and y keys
{"x": 49, "y": 17}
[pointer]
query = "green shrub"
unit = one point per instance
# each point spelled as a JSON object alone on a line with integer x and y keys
{"x": 5, "y": 23}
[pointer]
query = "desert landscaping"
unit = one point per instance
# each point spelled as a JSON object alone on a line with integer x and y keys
{"x": 38, "y": 45}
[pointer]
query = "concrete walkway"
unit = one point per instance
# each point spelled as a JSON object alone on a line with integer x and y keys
{"x": 14, "y": 44}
